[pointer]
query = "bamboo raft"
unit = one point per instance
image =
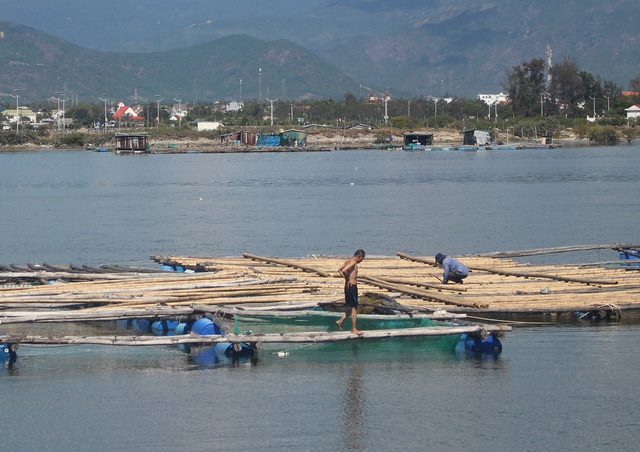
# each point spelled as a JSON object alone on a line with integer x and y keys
{"x": 497, "y": 284}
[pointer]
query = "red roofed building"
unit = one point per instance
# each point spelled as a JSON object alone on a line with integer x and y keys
{"x": 374, "y": 99}
{"x": 126, "y": 113}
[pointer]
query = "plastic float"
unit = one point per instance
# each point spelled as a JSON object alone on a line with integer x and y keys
{"x": 8, "y": 352}
{"x": 491, "y": 344}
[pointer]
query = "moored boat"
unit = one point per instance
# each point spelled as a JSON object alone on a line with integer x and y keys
{"x": 440, "y": 330}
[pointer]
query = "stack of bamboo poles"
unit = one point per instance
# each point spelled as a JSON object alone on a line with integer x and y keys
{"x": 498, "y": 285}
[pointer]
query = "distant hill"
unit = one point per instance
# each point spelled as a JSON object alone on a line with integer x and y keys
{"x": 409, "y": 47}
{"x": 464, "y": 47}
{"x": 41, "y": 65}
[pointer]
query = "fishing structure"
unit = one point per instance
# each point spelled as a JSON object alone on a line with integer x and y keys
{"x": 228, "y": 302}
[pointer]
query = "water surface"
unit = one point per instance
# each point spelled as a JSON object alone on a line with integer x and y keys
{"x": 553, "y": 387}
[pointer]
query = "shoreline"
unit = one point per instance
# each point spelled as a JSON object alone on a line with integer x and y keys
{"x": 317, "y": 142}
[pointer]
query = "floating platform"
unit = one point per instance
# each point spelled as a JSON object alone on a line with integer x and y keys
{"x": 496, "y": 283}
{"x": 498, "y": 287}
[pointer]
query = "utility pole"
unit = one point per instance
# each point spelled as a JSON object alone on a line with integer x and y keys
{"x": 179, "y": 111}
{"x": 158, "y": 100}
{"x": 271, "y": 102}
{"x": 386, "y": 116}
{"x": 62, "y": 99}
{"x": 16, "y": 96}
{"x": 105, "y": 110}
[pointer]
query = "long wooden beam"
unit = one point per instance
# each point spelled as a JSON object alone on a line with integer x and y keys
{"x": 286, "y": 263}
{"x": 557, "y": 249}
{"x": 93, "y": 315}
{"x": 416, "y": 292}
{"x": 306, "y": 337}
{"x": 497, "y": 271}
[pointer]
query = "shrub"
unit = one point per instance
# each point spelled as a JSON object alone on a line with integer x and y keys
{"x": 606, "y": 135}
{"x": 72, "y": 140}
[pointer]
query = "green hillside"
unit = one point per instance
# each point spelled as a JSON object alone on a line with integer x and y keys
{"x": 41, "y": 65}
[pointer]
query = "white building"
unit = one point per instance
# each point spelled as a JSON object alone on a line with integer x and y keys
{"x": 492, "y": 99}
{"x": 25, "y": 114}
{"x": 234, "y": 106}
{"x": 633, "y": 112}
{"x": 208, "y": 125}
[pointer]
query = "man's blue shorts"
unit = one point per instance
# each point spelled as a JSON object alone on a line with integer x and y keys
{"x": 351, "y": 295}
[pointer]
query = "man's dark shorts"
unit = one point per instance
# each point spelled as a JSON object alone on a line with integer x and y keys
{"x": 351, "y": 295}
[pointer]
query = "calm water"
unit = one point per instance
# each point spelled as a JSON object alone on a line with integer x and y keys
{"x": 553, "y": 388}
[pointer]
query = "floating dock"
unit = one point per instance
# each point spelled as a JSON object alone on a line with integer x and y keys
{"x": 496, "y": 283}
{"x": 498, "y": 287}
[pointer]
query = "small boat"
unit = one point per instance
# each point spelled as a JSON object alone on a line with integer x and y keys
{"x": 439, "y": 330}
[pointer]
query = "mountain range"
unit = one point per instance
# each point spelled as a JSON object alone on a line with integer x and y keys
{"x": 201, "y": 49}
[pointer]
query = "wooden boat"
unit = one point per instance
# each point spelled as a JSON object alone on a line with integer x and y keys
{"x": 440, "y": 330}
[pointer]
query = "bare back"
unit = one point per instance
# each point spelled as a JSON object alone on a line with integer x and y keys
{"x": 349, "y": 270}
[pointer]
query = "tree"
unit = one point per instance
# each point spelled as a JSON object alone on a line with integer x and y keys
{"x": 630, "y": 134}
{"x": 525, "y": 87}
{"x": 567, "y": 88}
{"x": 86, "y": 114}
{"x": 634, "y": 84}
{"x": 404, "y": 122}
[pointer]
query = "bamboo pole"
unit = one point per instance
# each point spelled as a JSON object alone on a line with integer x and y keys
{"x": 518, "y": 274}
{"x": 418, "y": 293}
{"x": 494, "y": 284}
{"x": 558, "y": 249}
{"x": 298, "y": 337}
{"x": 94, "y": 315}
{"x": 287, "y": 264}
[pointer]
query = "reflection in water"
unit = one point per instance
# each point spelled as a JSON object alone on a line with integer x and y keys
{"x": 353, "y": 409}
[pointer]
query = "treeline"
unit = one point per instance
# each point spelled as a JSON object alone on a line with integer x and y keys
{"x": 543, "y": 102}
{"x": 565, "y": 90}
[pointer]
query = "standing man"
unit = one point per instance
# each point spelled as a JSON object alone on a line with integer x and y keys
{"x": 349, "y": 271}
{"x": 454, "y": 270}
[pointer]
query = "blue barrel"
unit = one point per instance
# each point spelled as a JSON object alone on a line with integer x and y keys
{"x": 138, "y": 326}
{"x": 205, "y": 327}
{"x": 141, "y": 325}
{"x": 220, "y": 354}
{"x": 164, "y": 327}
{"x": 227, "y": 349}
{"x": 8, "y": 352}
{"x": 489, "y": 345}
{"x": 183, "y": 328}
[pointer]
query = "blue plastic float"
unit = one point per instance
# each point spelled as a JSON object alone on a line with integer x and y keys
{"x": 213, "y": 354}
{"x": 164, "y": 327}
{"x": 8, "y": 352}
{"x": 479, "y": 345}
